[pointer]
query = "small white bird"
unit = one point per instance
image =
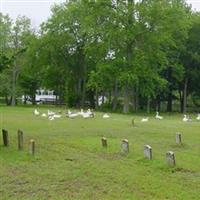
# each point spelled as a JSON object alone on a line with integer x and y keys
{"x": 90, "y": 113}
{"x": 198, "y": 117}
{"x": 86, "y": 115}
{"x": 72, "y": 115}
{"x": 158, "y": 116}
{"x": 105, "y": 116}
{"x": 51, "y": 117}
{"x": 44, "y": 115}
{"x": 80, "y": 113}
{"x": 50, "y": 113}
{"x": 69, "y": 112}
{"x": 185, "y": 118}
{"x": 36, "y": 112}
{"x": 145, "y": 119}
{"x": 57, "y": 116}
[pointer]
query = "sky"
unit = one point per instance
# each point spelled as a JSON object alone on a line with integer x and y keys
{"x": 39, "y": 10}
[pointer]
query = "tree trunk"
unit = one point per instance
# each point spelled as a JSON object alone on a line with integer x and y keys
{"x": 14, "y": 71}
{"x": 158, "y": 103}
{"x": 33, "y": 99}
{"x": 103, "y": 97}
{"x": 148, "y": 104}
{"x": 91, "y": 97}
{"x": 79, "y": 85}
{"x": 169, "y": 98}
{"x": 7, "y": 100}
{"x": 185, "y": 95}
{"x": 136, "y": 99}
{"x": 96, "y": 99}
{"x": 169, "y": 102}
{"x": 181, "y": 99}
{"x": 126, "y": 100}
{"x": 83, "y": 92}
{"x": 115, "y": 96}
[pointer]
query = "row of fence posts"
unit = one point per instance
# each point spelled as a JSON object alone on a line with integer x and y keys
{"x": 20, "y": 140}
{"x": 148, "y": 154}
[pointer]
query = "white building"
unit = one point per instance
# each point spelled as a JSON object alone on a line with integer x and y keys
{"x": 42, "y": 96}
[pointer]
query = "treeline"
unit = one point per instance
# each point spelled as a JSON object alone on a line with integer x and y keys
{"x": 133, "y": 54}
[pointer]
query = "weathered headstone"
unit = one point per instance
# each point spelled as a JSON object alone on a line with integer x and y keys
{"x": 147, "y": 152}
{"x": 104, "y": 142}
{"x": 5, "y": 137}
{"x": 125, "y": 146}
{"x": 178, "y": 138}
{"x": 32, "y": 147}
{"x": 170, "y": 158}
{"x": 20, "y": 139}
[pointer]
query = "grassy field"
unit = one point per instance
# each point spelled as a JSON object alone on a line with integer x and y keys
{"x": 71, "y": 164}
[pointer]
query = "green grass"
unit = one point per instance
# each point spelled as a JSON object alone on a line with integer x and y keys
{"x": 71, "y": 164}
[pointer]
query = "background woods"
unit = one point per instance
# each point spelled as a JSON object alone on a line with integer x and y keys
{"x": 120, "y": 55}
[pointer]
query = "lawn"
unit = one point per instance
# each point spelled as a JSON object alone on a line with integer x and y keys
{"x": 71, "y": 164}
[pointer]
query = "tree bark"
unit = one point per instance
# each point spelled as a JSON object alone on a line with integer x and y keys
{"x": 33, "y": 99}
{"x": 115, "y": 96}
{"x": 103, "y": 97}
{"x": 83, "y": 83}
{"x": 126, "y": 100}
{"x": 158, "y": 103}
{"x": 7, "y": 100}
{"x": 169, "y": 102}
{"x": 181, "y": 99}
{"x": 96, "y": 99}
{"x": 14, "y": 71}
{"x": 169, "y": 98}
{"x": 136, "y": 97}
{"x": 148, "y": 104}
{"x": 185, "y": 95}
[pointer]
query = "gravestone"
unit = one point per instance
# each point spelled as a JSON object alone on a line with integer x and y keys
{"x": 147, "y": 152}
{"x": 170, "y": 158}
{"x": 5, "y": 137}
{"x": 32, "y": 147}
{"x": 125, "y": 146}
{"x": 20, "y": 139}
{"x": 104, "y": 142}
{"x": 178, "y": 138}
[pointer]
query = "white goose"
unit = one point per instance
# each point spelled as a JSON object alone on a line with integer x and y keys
{"x": 80, "y": 113}
{"x": 145, "y": 119}
{"x": 57, "y": 116}
{"x": 86, "y": 115}
{"x": 90, "y": 113}
{"x": 44, "y": 115}
{"x": 105, "y": 116}
{"x": 36, "y": 112}
{"x": 198, "y": 117}
{"x": 158, "y": 116}
{"x": 50, "y": 113}
{"x": 72, "y": 115}
{"x": 51, "y": 117}
{"x": 185, "y": 118}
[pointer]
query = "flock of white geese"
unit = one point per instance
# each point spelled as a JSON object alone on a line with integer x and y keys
{"x": 52, "y": 115}
{"x": 90, "y": 114}
{"x": 186, "y": 118}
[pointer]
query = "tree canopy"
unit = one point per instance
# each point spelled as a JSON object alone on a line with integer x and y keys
{"x": 133, "y": 54}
